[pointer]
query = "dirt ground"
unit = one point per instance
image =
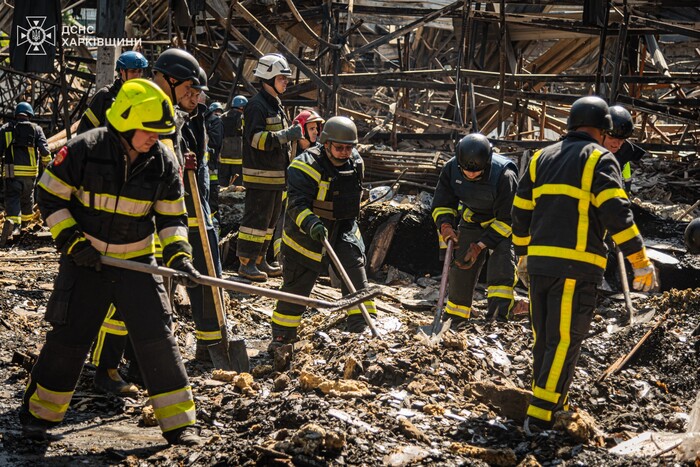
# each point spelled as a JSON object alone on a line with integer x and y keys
{"x": 343, "y": 399}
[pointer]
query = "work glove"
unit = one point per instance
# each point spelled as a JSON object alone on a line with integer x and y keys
{"x": 84, "y": 254}
{"x": 293, "y": 133}
{"x": 318, "y": 232}
{"x": 470, "y": 256}
{"x": 448, "y": 232}
{"x": 190, "y": 161}
{"x": 644, "y": 272}
{"x": 184, "y": 264}
{"x": 522, "y": 271}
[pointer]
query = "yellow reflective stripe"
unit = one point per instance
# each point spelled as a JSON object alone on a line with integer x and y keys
{"x": 323, "y": 187}
{"x": 627, "y": 171}
{"x": 501, "y": 291}
{"x": 124, "y": 250}
{"x": 170, "y": 235}
{"x": 567, "y": 253}
{"x": 546, "y": 395}
{"x": 169, "y": 207}
{"x": 56, "y": 186}
{"x": 268, "y": 177}
{"x": 32, "y": 156}
{"x": 533, "y": 166}
{"x": 113, "y": 326}
{"x": 627, "y": 234}
{"x": 559, "y": 189}
{"x": 27, "y": 217}
{"x": 192, "y": 222}
{"x": 523, "y": 203}
{"x": 92, "y": 117}
{"x": 289, "y": 321}
{"x": 208, "y": 335}
{"x": 300, "y": 249}
{"x": 458, "y": 310}
{"x": 258, "y": 140}
{"x": 230, "y": 160}
{"x": 369, "y": 306}
{"x": 276, "y": 246}
{"x": 60, "y": 221}
{"x": 174, "y": 409}
{"x": 302, "y": 215}
{"x": 8, "y": 139}
{"x": 501, "y": 228}
{"x": 49, "y": 405}
{"x": 26, "y": 171}
{"x": 113, "y": 204}
{"x": 250, "y": 238}
{"x": 540, "y": 414}
{"x": 437, "y": 212}
{"x": 559, "y": 360}
{"x": 467, "y": 214}
{"x": 584, "y": 202}
{"x": 269, "y": 234}
{"x": 306, "y": 168}
{"x": 521, "y": 241}
{"x": 608, "y": 194}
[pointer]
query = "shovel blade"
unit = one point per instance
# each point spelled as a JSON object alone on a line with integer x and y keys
{"x": 220, "y": 356}
{"x": 230, "y": 356}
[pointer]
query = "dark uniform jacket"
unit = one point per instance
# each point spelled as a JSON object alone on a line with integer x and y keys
{"x": 195, "y": 138}
{"x": 571, "y": 193}
{"x": 486, "y": 202}
{"x": 265, "y": 160}
{"x": 19, "y": 142}
{"x": 232, "y": 143}
{"x": 215, "y": 130}
{"x": 90, "y": 189}
{"x": 320, "y": 192}
{"x": 103, "y": 99}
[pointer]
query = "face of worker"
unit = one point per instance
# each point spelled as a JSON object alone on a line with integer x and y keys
{"x": 143, "y": 140}
{"x": 190, "y": 101}
{"x": 280, "y": 84}
{"x": 126, "y": 75}
{"x": 339, "y": 153}
{"x": 312, "y": 131}
{"x": 612, "y": 144}
{"x": 472, "y": 175}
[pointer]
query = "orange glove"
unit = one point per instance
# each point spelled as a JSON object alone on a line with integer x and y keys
{"x": 448, "y": 232}
{"x": 471, "y": 256}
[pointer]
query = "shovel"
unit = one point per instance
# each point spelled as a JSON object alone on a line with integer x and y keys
{"x": 348, "y": 283}
{"x": 434, "y": 328}
{"x": 225, "y": 354}
{"x": 625, "y": 285}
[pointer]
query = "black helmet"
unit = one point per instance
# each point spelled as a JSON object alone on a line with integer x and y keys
{"x": 692, "y": 236}
{"x": 178, "y": 64}
{"x": 339, "y": 130}
{"x": 589, "y": 111}
{"x": 474, "y": 152}
{"x": 202, "y": 78}
{"x": 623, "y": 126}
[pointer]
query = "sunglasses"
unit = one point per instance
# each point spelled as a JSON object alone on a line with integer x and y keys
{"x": 343, "y": 147}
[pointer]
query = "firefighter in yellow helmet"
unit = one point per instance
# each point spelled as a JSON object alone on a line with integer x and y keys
{"x": 106, "y": 193}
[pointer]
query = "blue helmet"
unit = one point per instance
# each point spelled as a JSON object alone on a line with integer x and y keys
{"x": 131, "y": 60}
{"x": 24, "y": 108}
{"x": 216, "y": 106}
{"x": 239, "y": 101}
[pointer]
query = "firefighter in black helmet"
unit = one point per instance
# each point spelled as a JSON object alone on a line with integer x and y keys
{"x": 570, "y": 194}
{"x": 482, "y": 185}
{"x": 617, "y": 142}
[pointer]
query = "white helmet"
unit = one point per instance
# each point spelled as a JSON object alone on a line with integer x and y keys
{"x": 271, "y": 65}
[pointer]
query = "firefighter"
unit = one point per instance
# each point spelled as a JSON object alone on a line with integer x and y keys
{"x": 215, "y": 131}
{"x": 483, "y": 185}
{"x": 106, "y": 193}
{"x": 325, "y": 187}
{"x": 231, "y": 157}
{"x": 20, "y": 141}
{"x": 692, "y": 237}
{"x": 207, "y": 330}
{"x": 130, "y": 65}
{"x": 265, "y": 160}
{"x": 570, "y": 194}
{"x": 616, "y": 141}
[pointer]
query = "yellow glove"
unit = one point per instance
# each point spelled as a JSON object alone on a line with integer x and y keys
{"x": 644, "y": 272}
{"x": 522, "y": 271}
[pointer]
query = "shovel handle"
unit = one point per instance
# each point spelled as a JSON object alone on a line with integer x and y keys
{"x": 443, "y": 286}
{"x": 625, "y": 285}
{"x": 348, "y": 283}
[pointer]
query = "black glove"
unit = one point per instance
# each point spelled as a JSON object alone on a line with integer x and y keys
{"x": 85, "y": 255}
{"x": 318, "y": 232}
{"x": 184, "y": 264}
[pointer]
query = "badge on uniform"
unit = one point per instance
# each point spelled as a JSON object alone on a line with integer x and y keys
{"x": 61, "y": 156}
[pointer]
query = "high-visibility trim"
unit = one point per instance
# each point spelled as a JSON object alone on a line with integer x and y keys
{"x": 302, "y": 217}
{"x": 174, "y": 409}
{"x": 92, "y": 117}
{"x": 369, "y": 305}
{"x": 49, "y": 405}
{"x": 170, "y": 207}
{"x": 109, "y": 326}
{"x": 114, "y": 204}
{"x": 533, "y": 166}
{"x": 230, "y": 160}
{"x": 521, "y": 241}
{"x": 276, "y": 246}
{"x": 584, "y": 203}
{"x": 26, "y": 171}
{"x": 266, "y": 177}
{"x": 462, "y": 311}
{"x": 607, "y": 195}
{"x": 259, "y": 139}
{"x": 323, "y": 187}
{"x": 559, "y": 189}
{"x": 208, "y": 335}
{"x": 467, "y": 214}
{"x": 500, "y": 291}
{"x": 170, "y": 235}
{"x": 540, "y": 414}
{"x": 546, "y": 395}
{"x": 192, "y": 222}
{"x": 15, "y": 219}
{"x": 172, "y": 259}
{"x": 523, "y": 203}
{"x": 437, "y": 212}
{"x": 114, "y": 326}
{"x": 627, "y": 234}
{"x": 306, "y": 168}
{"x": 27, "y": 217}
{"x": 125, "y": 250}
{"x": 501, "y": 228}
{"x": 60, "y": 221}
{"x": 300, "y": 249}
{"x": 567, "y": 253}
{"x": 288, "y": 321}
{"x": 627, "y": 171}
{"x": 56, "y": 186}
{"x": 559, "y": 360}
{"x": 251, "y": 235}
{"x": 270, "y": 233}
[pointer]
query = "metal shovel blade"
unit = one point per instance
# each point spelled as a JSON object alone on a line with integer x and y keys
{"x": 230, "y": 356}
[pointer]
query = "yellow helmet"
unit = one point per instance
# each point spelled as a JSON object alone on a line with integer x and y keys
{"x": 141, "y": 105}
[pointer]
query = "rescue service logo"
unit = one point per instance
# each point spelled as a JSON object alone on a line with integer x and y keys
{"x": 36, "y": 35}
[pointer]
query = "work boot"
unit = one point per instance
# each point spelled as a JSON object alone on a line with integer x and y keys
{"x": 356, "y": 323}
{"x": 457, "y": 322}
{"x": 7, "y": 229}
{"x": 281, "y": 336}
{"x": 272, "y": 270}
{"x": 111, "y": 382}
{"x": 33, "y": 428}
{"x": 201, "y": 353}
{"x": 133, "y": 374}
{"x": 185, "y": 436}
{"x": 250, "y": 271}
